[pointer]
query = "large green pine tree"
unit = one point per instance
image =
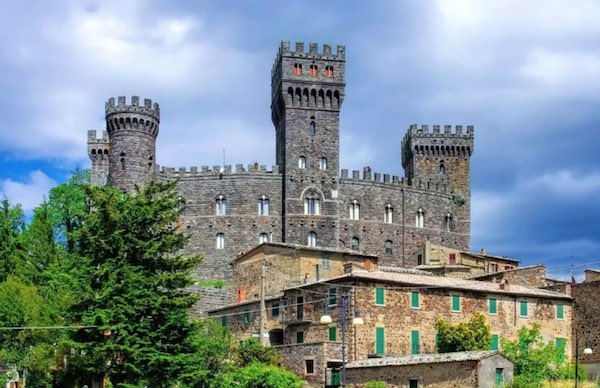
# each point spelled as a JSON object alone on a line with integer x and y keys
{"x": 136, "y": 288}
{"x": 12, "y": 225}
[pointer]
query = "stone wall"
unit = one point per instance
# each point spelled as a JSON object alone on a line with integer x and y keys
{"x": 586, "y": 321}
{"x": 532, "y": 276}
{"x": 295, "y": 357}
{"x": 592, "y": 275}
{"x": 439, "y": 375}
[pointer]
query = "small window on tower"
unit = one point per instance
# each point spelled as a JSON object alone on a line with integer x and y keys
{"x": 302, "y": 162}
{"x": 313, "y": 70}
{"x": 329, "y": 71}
{"x": 297, "y": 70}
{"x": 388, "y": 247}
{"x": 312, "y": 127}
{"x": 312, "y": 239}
{"x": 448, "y": 222}
{"x": 323, "y": 164}
{"x": 420, "y": 218}
{"x": 122, "y": 161}
{"x": 442, "y": 169}
{"x": 355, "y": 243}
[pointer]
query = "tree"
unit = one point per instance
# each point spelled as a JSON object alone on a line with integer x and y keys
{"x": 257, "y": 375}
{"x": 251, "y": 351}
{"x": 474, "y": 334}
{"x": 135, "y": 288}
{"x": 535, "y": 360}
{"x": 12, "y": 225}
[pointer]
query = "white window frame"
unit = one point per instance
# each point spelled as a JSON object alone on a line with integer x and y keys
{"x": 302, "y": 162}
{"x": 221, "y": 206}
{"x": 388, "y": 215}
{"x": 391, "y": 248}
{"x": 448, "y": 222}
{"x": 355, "y": 243}
{"x": 263, "y": 206}
{"x": 420, "y": 218}
{"x": 354, "y": 210}
{"x": 312, "y": 239}
{"x": 263, "y": 238}
{"x": 323, "y": 163}
{"x": 312, "y": 204}
{"x": 220, "y": 241}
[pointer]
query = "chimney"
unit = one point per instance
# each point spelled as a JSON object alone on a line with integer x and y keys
{"x": 483, "y": 251}
{"x": 318, "y": 272}
{"x": 504, "y": 285}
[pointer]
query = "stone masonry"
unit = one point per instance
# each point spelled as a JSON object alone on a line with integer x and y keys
{"x": 307, "y": 193}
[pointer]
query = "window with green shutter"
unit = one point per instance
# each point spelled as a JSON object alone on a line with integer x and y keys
{"x": 332, "y": 296}
{"x": 379, "y": 340}
{"x": 379, "y": 296}
{"x": 415, "y": 300}
{"x": 413, "y": 383}
{"x": 224, "y": 321}
{"x": 299, "y": 337}
{"x": 415, "y": 347}
{"x": 246, "y": 318}
{"x": 333, "y": 333}
{"x": 494, "y": 345}
{"x": 493, "y": 306}
{"x": 499, "y": 376}
{"x": 560, "y": 344}
{"x": 560, "y": 311}
{"x": 523, "y": 312}
{"x": 455, "y": 303}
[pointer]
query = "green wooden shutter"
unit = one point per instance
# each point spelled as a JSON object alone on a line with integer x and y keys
{"x": 379, "y": 340}
{"x": 379, "y": 296}
{"x": 413, "y": 384}
{"x": 299, "y": 337}
{"x": 494, "y": 343}
{"x": 493, "y": 306}
{"x": 414, "y": 342}
{"x": 333, "y": 333}
{"x": 560, "y": 311}
{"x": 246, "y": 317}
{"x": 414, "y": 300}
{"x": 524, "y": 308}
{"x": 499, "y": 376}
{"x": 560, "y": 344}
{"x": 455, "y": 303}
{"x": 332, "y": 296}
{"x": 224, "y": 320}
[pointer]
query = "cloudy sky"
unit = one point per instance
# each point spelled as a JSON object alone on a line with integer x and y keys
{"x": 526, "y": 74}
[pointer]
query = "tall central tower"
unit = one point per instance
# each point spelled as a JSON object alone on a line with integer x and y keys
{"x": 307, "y": 94}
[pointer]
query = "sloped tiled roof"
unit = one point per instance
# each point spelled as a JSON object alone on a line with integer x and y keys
{"x": 432, "y": 281}
{"x": 415, "y": 359}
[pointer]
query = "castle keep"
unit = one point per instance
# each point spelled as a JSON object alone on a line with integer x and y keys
{"x": 305, "y": 198}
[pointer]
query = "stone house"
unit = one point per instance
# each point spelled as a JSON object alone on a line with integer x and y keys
{"x": 453, "y": 262}
{"x": 586, "y": 321}
{"x": 399, "y": 308}
{"x": 486, "y": 369}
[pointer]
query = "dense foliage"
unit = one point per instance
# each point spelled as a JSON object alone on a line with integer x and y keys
{"x": 474, "y": 334}
{"x": 94, "y": 287}
{"x": 535, "y": 360}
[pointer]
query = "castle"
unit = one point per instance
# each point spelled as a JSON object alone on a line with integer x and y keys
{"x": 304, "y": 199}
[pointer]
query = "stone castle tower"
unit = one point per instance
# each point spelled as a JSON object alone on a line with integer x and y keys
{"x": 305, "y": 198}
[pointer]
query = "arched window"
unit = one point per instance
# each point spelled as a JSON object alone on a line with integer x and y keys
{"x": 312, "y": 239}
{"x": 442, "y": 168}
{"x": 420, "y": 218}
{"x": 388, "y": 216}
{"x": 220, "y": 244}
{"x": 354, "y": 210}
{"x": 263, "y": 206}
{"x": 122, "y": 161}
{"x": 312, "y": 126}
{"x": 302, "y": 162}
{"x": 313, "y": 70}
{"x": 388, "y": 247}
{"x": 354, "y": 243}
{"x": 221, "y": 206}
{"x": 448, "y": 222}
{"x": 329, "y": 71}
{"x": 297, "y": 70}
{"x": 312, "y": 204}
{"x": 323, "y": 164}
{"x": 263, "y": 238}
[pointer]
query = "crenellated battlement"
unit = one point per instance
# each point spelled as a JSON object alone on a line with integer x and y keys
{"x": 328, "y": 65}
{"x": 250, "y": 169}
{"x": 97, "y": 145}
{"x": 448, "y": 130}
{"x": 393, "y": 180}
{"x": 313, "y": 51}
{"x": 148, "y": 109}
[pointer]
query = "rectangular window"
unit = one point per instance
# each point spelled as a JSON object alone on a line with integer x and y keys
{"x": 224, "y": 321}
{"x": 456, "y": 303}
{"x": 523, "y": 311}
{"x": 415, "y": 347}
{"x": 492, "y": 305}
{"x": 332, "y": 296}
{"x": 415, "y": 300}
{"x": 560, "y": 344}
{"x": 499, "y": 376}
{"x": 560, "y": 311}
{"x": 299, "y": 337}
{"x": 494, "y": 345}
{"x": 326, "y": 260}
{"x": 275, "y": 309}
{"x": 309, "y": 367}
{"x": 414, "y": 383}
{"x": 246, "y": 318}
{"x": 379, "y": 296}
{"x": 300, "y": 308}
{"x": 333, "y": 333}
{"x": 379, "y": 340}
{"x": 452, "y": 258}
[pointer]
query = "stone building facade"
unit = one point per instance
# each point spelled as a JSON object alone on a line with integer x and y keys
{"x": 305, "y": 198}
{"x": 399, "y": 308}
{"x": 586, "y": 321}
